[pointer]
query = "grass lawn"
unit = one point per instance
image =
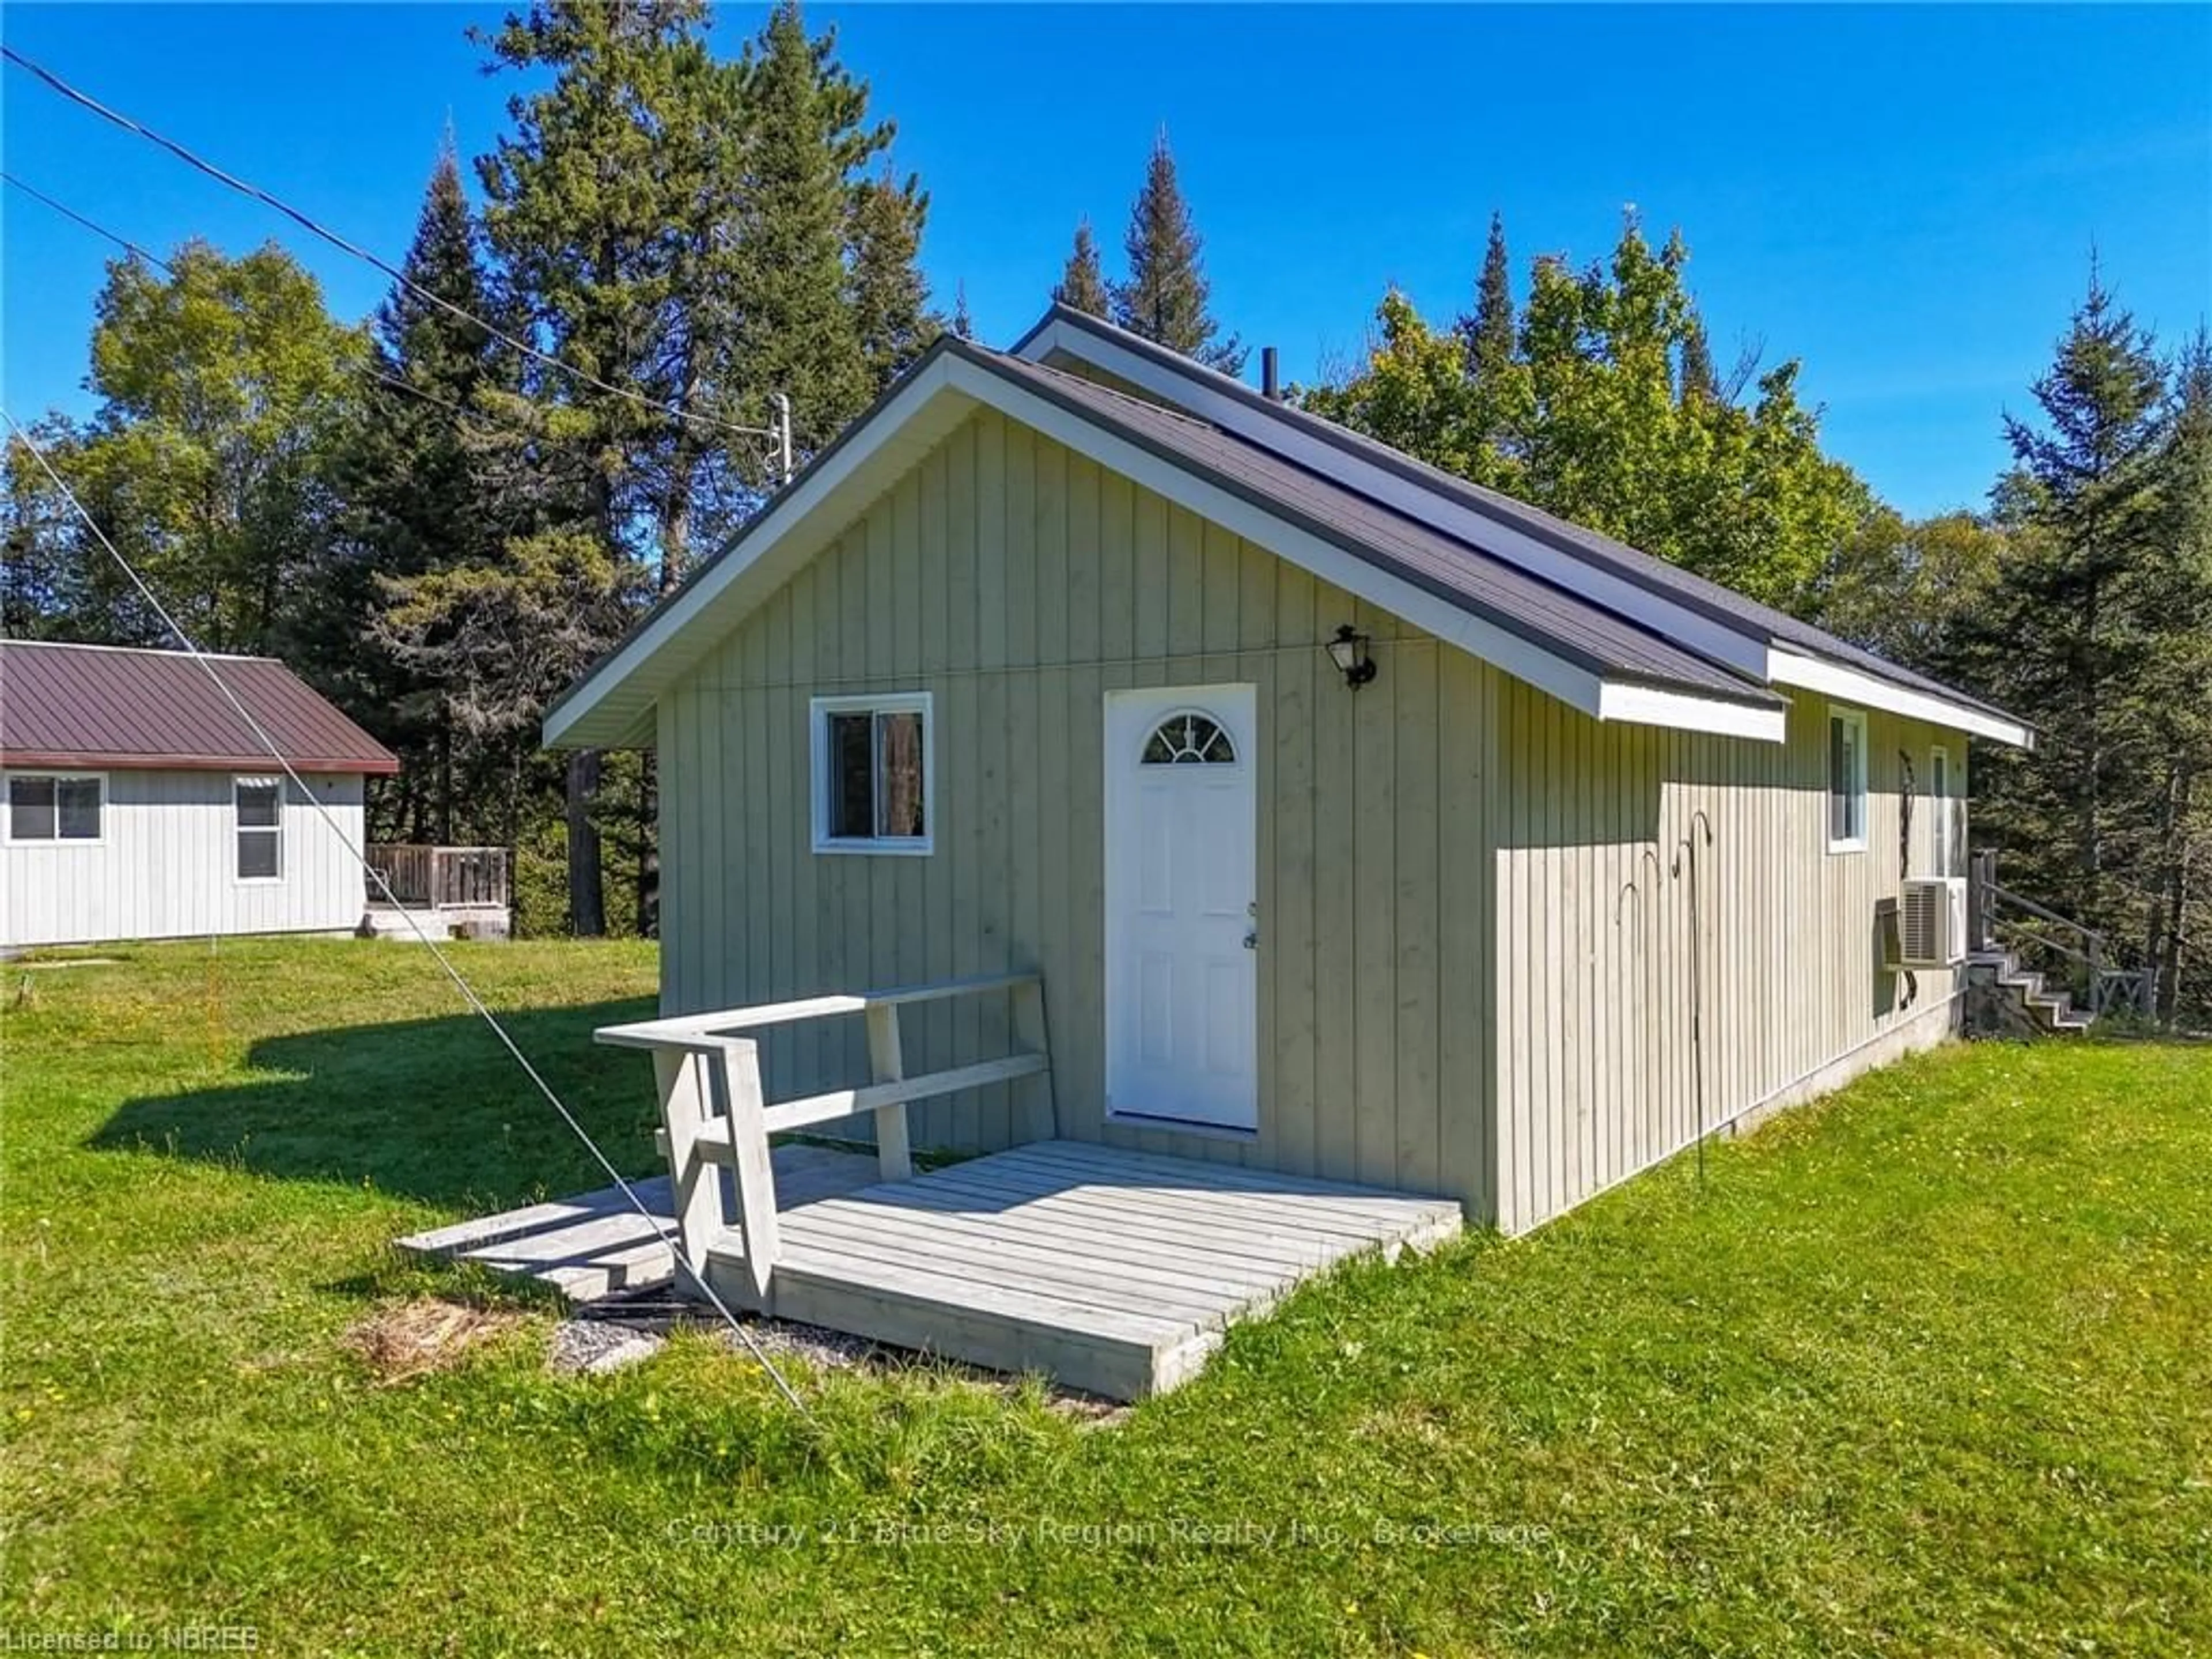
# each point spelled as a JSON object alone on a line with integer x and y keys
{"x": 1927, "y": 1369}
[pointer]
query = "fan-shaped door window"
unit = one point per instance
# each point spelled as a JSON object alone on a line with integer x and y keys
{"x": 1189, "y": 739}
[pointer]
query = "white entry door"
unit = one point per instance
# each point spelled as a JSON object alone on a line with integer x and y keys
{"x": 1181, "y": 923}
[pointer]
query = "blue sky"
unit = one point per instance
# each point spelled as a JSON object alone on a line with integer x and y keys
{"x": 1904, "y": 198}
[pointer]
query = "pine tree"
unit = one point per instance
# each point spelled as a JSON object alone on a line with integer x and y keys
{"x": 412, "y": 486}
{"x": 963, "y": 326}
{"x": 415, "y": 499}
{"x": 888, "y": 295}
{"x": 1166, "y": 296}
{"x": 1486, "y": 334}
{"x": 1081, "y": 287}
{"x": 2168, "y": 597}
{"x": 605, "y": 207}
{"x": 2059, "y": 640}
{"x": 806, "y": 133}
{"x": 702, "y": 235}
{"x": 609, "y": 207}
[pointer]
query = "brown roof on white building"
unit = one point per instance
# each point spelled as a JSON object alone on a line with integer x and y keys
{"x": 107, "y": 706}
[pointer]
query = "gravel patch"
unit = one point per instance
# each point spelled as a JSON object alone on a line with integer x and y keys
{"x": 591, "y": 1348}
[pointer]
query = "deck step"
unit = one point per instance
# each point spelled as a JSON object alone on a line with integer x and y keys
{"x": 2041, "y": 1007}
{"x": 593, "y": 1245}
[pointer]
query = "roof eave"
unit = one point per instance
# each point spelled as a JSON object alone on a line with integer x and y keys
{"x": 1810, "y": 672}
{"x": 19, "y": 760}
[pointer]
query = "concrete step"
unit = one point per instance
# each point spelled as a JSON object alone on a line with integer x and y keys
{"x": 387, "y": 921}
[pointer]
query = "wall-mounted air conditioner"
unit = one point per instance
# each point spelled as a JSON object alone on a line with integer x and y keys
{"x": 1931, "y": 922}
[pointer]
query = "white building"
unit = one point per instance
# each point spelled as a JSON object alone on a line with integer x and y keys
{"x": 136, "y": 804}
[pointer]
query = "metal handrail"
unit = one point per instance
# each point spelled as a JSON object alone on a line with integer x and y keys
{"x": 2107, "y": 985}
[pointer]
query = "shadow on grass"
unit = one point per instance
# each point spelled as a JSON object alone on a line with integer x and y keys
{"x": 433, "y": 1110}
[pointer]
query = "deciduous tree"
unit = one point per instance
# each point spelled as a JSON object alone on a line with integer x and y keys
{"x": 224, "y": 387}
{"x": 1583, "y": 418}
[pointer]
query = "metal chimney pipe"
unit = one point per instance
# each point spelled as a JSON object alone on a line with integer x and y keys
{"x": 1271, "y": 384}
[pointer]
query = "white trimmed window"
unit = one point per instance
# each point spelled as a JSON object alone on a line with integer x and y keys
{"x": 1847, "y": 781}
{"x": 55, "y": 807}
{"x": 873, "y": 790}
{"x": 259, "y": 804}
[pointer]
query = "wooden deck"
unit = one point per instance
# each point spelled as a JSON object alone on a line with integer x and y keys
{"x": 1113, "y": 1272}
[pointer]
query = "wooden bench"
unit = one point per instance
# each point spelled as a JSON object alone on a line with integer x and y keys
{"x": 714, "y": 1115}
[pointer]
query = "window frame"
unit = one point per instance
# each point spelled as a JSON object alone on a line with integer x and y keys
{"x": 1235, "y": 761}
{"x": 1861, "y": 789}
{"x": 238, "y": 831}
{"x": 819, "y": 711}
{"x": 8, "y": 835}
{"x": 1942, "y": 851}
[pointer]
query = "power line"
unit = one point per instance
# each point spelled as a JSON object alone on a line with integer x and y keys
{"x": 123, "y": 242}
{"x": 437, "y": 952}
{"x": 780, "y": 433}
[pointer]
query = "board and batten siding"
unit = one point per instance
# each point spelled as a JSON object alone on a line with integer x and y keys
{"x": 1594, "y": 1059}
{"x": 1018, "y": 583}
{"x": 165, "y": 866}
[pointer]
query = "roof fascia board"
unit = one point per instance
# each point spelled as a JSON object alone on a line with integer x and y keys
{"x": 18, "y": 759}
{"x": 1744, "y": 652}
{"x": 1635, "y": 704}
{"x": 564, "y": 722}
{"x": 1835, "y": 680}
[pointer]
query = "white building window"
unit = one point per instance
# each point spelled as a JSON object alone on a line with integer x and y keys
{"x": 55, "y": 807}
{"x": 1847, "y": 781}
{"x": 1942, "y": 813}
{"x": 873, "y": 788}
{"x": 259, "y": 805}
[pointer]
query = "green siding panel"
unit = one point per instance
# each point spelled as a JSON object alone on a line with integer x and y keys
{"x": 1596, "y": 1076}
{"x": 1018, "y": 583}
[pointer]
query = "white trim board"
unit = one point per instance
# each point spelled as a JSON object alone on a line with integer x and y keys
{"x": 614, "y": 703}
{"x": 1819, "y": 674}
{"x": 1745, "y": 648}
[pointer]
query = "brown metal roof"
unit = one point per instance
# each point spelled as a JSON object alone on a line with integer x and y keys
{"x": 105, "y": 707}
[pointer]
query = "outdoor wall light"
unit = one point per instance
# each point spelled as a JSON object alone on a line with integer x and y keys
{"x": 1348, "y": 651}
